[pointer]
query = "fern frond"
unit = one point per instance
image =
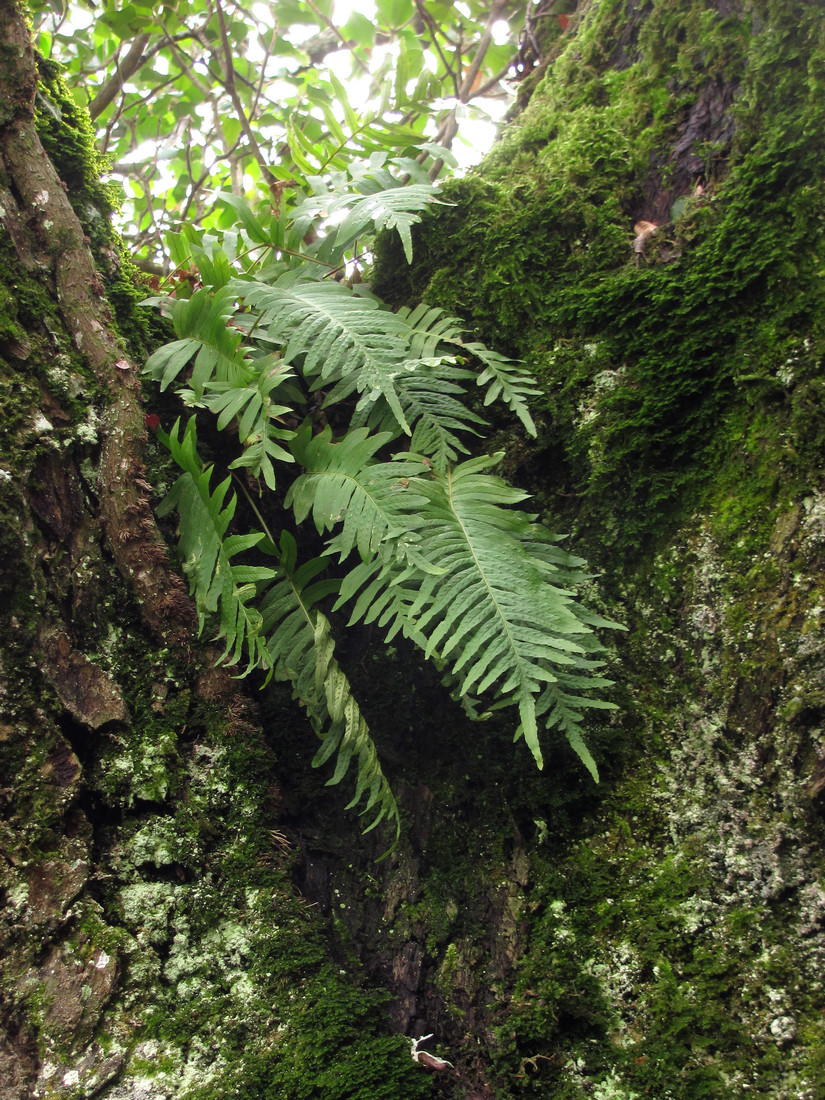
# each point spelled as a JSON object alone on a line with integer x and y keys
{"x": 338, "y": 334}
{"x": 430, "y": 396}
{"x": 465, "y": 587}
{"x": 505, "y": 379}
{"x": 374, "y": 199}
{"x": 201, "y": 323}
{"x": 342, "y": 485}
{"x": 219, "y": 586}
{"x": 396, "y": 208}
{"x": 302, "y": 649}
{"x": 257, "y": 416}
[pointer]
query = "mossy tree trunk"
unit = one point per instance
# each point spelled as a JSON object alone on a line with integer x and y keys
{"x": 648, "y": 237}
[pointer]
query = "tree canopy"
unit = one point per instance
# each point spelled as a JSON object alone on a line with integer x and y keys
{"x": 193, "y": 97}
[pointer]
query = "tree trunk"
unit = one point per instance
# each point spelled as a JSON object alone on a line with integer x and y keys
{"x": 647, "y": 237}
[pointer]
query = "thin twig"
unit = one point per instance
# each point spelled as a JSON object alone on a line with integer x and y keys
{"x": 433, "y": 28}
{"x": 483, "y": 89}
{"x": 236, "y": 102}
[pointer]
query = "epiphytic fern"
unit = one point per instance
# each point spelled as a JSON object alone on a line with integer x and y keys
{"x": 220, "y": 587}
{"x": 462, "y": 583}
{"x": 340, "y": 485}
{"x": 286, "y": 635}
{"x": 505, "y": 380}
{"x": 302, "y": 651}
{"x": 202, "y": 325}
{"x": 373, "y": 198}
{"x": 436, "y": 550}
{"x": 339, "y": 337}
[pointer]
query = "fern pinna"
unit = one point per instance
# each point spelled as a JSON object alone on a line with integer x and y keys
{"x": 410, "y": 538}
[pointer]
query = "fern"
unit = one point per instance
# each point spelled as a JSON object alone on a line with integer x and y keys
{"x": 302, "y": 651}
{"x": 201, "y": 323}
{"x": 430, "y": 546}
{"x": 289, "y": 637}
{"x": 431, "y": 327}
{"x": 373, "y": 199}
{"x": 467, "y": 590}
{"x": 218, "y": 585}
{"x": 430, "y": 397}
{"x": 257, "y": 415}
{"x": 341, "y": 485}
{"x": 337, "y": 335}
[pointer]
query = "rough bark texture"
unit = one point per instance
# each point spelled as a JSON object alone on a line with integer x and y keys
{"x": 648, "y": 237}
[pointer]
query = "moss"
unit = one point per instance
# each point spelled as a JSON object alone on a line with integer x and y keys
{"x": 68, "y": 137}
{"x": 682, "y": 442}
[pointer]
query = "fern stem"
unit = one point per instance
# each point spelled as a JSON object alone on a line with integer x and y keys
{"x": 247, "y": 496}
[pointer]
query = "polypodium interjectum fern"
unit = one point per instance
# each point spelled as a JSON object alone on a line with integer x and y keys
{"x": 321, "y": 380}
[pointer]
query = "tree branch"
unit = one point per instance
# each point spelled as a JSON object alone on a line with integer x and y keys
{"x": 123, "y": 70}
{"x": 128, "y": 522}
{"x": 229, "y": 70}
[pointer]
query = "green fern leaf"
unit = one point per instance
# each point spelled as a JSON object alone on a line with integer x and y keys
{"x": 342, "y": 486}
{"x": 430, "y": 394}
{"x": 201, "y": 323}
{"x": 374, "y": 199}
{"x": 219, "y": 586}
{"x": 336, "y": 333}
{"x": 506, "y": 380}
{"x": 257, "y": 415}
{"x": 463, "y": 584}
{"x": 302, "y": 648}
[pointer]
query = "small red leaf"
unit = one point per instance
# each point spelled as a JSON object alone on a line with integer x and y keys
{"x": 152, "y": 421}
